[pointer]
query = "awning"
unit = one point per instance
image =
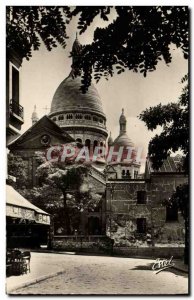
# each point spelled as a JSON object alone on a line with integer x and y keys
{"x": 18, "y": 207}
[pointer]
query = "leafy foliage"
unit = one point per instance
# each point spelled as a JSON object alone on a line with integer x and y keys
{"x": 174, "y": 120}
{"x": 64, "y": 190}
{"x": 28, "y": 26}
{"x": 18, "y": 168}
{"x": 137, "y": 39}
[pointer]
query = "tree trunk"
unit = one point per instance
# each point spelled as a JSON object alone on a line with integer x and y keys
{"x": 186, "y": 251}
{"x": 66, "y": 215}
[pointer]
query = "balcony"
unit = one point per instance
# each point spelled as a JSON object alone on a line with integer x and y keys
{"x": 14, "y": 120}
{"x": 16, "y": 110}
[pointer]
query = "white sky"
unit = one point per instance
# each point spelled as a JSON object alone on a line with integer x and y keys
{"x": 41, "y": 76}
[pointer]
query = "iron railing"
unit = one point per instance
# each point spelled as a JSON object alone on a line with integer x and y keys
{"x": 16, "y": 108}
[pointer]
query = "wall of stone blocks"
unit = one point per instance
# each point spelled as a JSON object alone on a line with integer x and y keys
{"x": 123, "y": 211}
{"x": 149, "y": 252}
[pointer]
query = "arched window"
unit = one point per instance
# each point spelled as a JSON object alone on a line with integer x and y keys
{"x": 123, "y": 173}
{"x": 69, "y": 117}
{"x": 79, "y": 141}
{"x": 95, "y": 119}
{"x": 88, "y": 143}
{"x": 128, "y": 174}
{"x": 95, "y": 144}
{"x": 87, "y": 117}
{"x": 61, "y": 117}
{"x": 78, "y": 116}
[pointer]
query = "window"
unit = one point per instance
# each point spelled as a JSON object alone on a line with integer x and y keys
{"x": 141, "y": 197}
{"x": 141, "y": 225}
{"x": 69, "y": 117}
{"x": 15, "y": 85}
{"x": 78, "y": 116}
{"x": 123, "y": 173}
{"x": 87, "y": 143}
{"x": 61, "y": 117}
{"x": 87, "y": 117}
{"x": 135, "y": 174}
{"x": 79, "y": 141}
{"x": 95, "y": 119}
{"x": 128, "y": 174}
{"x": 95, "y": 145}
{"x": 171, "y": 213}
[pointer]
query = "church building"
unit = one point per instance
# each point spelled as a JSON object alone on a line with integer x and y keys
{"x": 132, "y": 211}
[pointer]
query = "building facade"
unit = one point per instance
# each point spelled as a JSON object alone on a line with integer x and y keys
{"x": 138, "y": 215}
{"x": 14, "y": 110}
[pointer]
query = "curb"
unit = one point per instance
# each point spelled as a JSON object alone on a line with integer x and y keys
{"x": 33, "y": 281}
{"x": 180, "y": 269}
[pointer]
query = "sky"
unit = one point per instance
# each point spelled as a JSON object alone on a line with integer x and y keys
{"x": 41, "y": 76}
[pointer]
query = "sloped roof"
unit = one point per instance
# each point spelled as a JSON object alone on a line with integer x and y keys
{"x": 14, "y": 198}
{"x": 170, "y": 165}
{"x": 46, "y": 122}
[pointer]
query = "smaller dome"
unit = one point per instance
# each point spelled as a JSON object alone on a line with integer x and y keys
{"x": 123, "y": 140}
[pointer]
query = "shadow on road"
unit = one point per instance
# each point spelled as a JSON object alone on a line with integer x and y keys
{"x": 148, "y": 267}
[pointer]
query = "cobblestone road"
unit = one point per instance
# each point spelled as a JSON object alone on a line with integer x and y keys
{"x": 106, "y": 275}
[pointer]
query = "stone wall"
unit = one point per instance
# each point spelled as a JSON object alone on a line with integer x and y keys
{"x": 123, "y": 211}
{"x": 150, "y": 252}
{"x": 95, "y": 244}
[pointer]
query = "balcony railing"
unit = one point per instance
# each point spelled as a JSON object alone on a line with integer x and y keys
{"x": 16, "y": 108}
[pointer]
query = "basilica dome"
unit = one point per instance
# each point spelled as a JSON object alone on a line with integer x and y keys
{"x": 69, "y": 97}
{"x": 123, "y": 140}
{"x": 79, "y": 114}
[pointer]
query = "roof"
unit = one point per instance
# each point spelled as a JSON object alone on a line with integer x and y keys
{"x": 172, "y": 164}
{"x": 44, "y": 122}
{"x": 15, "y": 199}
{"x": 123, "y": 140}
{"x": 69, "y": 97}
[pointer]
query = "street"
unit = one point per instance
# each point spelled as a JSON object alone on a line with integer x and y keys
{"x": 101, "y": 275}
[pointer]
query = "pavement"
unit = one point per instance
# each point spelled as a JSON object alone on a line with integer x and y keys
{"x": 180, "y": 266}
{"x": 67, "y": 273}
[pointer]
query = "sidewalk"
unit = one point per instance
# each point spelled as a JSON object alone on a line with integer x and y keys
{"x": 40, "y": 269}
{"x": 180, "y": 266}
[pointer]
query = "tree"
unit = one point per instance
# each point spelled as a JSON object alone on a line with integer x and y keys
{"x": 18, "y": 168}
{"x": 137, "y": 39}
{"x": 71, "y": 180}
{"x": 63, "y": 190}
{"x": 174, "y": 120}
{"x": 182, "y": 200}
{"x": 28, "y": 26}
